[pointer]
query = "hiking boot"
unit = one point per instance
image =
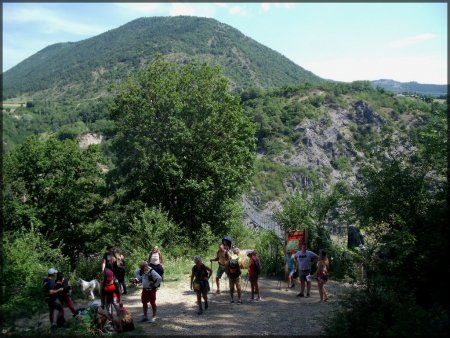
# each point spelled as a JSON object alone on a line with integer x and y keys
{"x": 301, "y": 294}
{"x": 144, "y": 319}
{"x": 200, "y": 312}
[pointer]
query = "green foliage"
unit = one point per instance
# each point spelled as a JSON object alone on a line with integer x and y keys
{"x": 26, "y": 257}
{"x": 182, "y": 142}
{"x": 151, "y": 227}
{"x": 401, "y": 205}
{"x": 53, "y": 187}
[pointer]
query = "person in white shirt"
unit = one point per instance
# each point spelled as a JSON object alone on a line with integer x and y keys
{"x": 150, "y": 280}
{"x": 304, "y": 259}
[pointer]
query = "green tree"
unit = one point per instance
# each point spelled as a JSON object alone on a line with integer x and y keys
{"x": 182, "y": 142}
{"x": 54, "y": 188}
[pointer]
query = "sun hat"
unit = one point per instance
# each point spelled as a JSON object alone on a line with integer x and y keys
{"x": 52, "y": 271}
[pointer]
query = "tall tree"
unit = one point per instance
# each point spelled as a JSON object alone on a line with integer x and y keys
{"x": 182, "y": 142}
{"x": 52, "y": 187}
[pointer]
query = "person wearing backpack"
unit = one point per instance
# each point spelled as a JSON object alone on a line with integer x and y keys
{"x": 110, "y": 294}
{"x": 234, "y": 275}
{"x": 151, "y": 281}
{"x": 199, "y": 282}
{"x": 254, "y": 270}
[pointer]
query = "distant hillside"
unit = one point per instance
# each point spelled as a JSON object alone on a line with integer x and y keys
{"x": 86, "y": 68}
{"x": 400, "y": 87}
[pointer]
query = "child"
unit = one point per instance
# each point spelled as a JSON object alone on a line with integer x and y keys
{"x": 253, "y": 275}
{"x": 199, "y": 281}
{"x": 322, "y": 275}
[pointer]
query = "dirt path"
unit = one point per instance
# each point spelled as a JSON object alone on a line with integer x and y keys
{"x": 279, "y": 313}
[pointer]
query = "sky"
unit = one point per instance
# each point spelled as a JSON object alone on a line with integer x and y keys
{"x": 338, "y": 41}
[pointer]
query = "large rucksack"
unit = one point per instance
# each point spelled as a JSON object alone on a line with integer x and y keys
{"x": 234, "y": 270}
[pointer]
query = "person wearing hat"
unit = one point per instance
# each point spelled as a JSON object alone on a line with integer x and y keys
{"x": 110, "y": 293}
{"x": 52, "y": 298}
{"x": 253, "y": 275}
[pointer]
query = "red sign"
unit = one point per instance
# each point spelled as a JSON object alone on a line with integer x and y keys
{"x": 295, "y": 239}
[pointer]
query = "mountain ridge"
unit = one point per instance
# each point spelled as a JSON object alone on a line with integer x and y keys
{"x": 119, "y": 52}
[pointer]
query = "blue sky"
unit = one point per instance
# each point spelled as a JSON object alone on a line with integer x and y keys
{"x": 338, "y": 41}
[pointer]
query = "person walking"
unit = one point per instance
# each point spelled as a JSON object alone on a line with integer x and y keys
{"x": 234, "y": 275}
{"x": 322, "y": 275}
{"x": 254, "y": 270}
{"x": 156, "y": 261}
{"x": 304, "y": 259}
{"x": 109, "y": 258}
{"x": 290, "y": 261}
{"x": 110, "y": 293}
{"x": 119, "y": 270}
{"x": 65, "y": 297}
{"x": 199, "y": 282}
{"x": 151, "y": 280}
{"x": 222, "y": 257}
{"x": 51, "y": 297}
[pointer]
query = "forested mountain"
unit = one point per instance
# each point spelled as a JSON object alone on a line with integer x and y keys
{"x": 84, "y": 69}
{"x": 411, "y": 87}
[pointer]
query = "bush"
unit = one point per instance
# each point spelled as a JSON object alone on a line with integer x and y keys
{"x": 26, "y": 258}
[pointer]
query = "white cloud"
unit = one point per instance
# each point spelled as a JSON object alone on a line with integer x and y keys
{"x": 237, "y": 10}
{"x": 202, "y": 9}
{"x": 412, "y": 40}
{"x": 427, "y": 69}
{"x": 141, "y": 7}
{"x": 51, "y": 22}
{"x": 267, "y": 5}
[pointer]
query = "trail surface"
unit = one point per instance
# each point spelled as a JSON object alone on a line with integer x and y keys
{"x": 280, "y": 313}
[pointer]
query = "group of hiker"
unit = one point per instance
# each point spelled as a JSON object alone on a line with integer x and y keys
{"x": 229, "y": 262}
{"x": 150, "y": 275}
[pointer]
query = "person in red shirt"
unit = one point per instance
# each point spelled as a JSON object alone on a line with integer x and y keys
{"x": 253, "y": 275}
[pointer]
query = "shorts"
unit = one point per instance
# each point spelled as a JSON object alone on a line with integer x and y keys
{"x": 235, "y": 281}
{"x": 303, "y": 274}
{"x": 291, "y": 271}
{"x": 322, "y": 279}
{"x": 148, "y": 296}
{"x": 253, "y": 278}
{"x": 220, "y": 270}
{"x": 204, "y": 287}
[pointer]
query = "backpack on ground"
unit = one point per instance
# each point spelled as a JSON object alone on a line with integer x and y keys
{"x": 234, "y": 269}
